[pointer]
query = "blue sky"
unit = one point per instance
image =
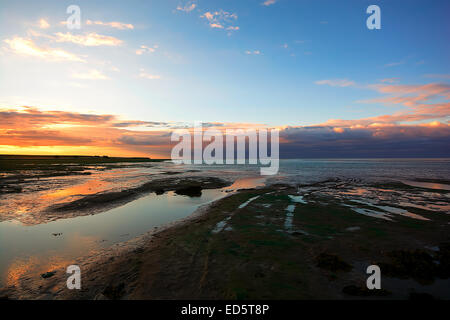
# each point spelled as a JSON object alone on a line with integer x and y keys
{"x": 205, "y": 73}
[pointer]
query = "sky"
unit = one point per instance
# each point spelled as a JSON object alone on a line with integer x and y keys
{"x": 136, "y": 70}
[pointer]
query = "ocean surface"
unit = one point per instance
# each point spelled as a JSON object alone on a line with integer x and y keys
{"x": 31, "y": 243}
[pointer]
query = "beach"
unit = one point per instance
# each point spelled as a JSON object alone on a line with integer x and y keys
{"x": 234, "y": 235}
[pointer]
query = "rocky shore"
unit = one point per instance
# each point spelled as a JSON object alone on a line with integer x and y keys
{"x": 277, "y": 242}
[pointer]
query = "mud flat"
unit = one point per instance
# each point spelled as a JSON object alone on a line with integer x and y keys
{"x": 36, "y": 195}
{"x": 189, "y": 186}
{"x": 278, "y": 242}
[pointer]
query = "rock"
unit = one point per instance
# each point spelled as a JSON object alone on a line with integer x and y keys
{"x": 332, "y": 262}
{"x": 191, "y": 191}
{"x": 48, "y": 274}
{"x": 417, "y": 264}
{"x": 114, "y": 292}
{"x": 100, "y": 296}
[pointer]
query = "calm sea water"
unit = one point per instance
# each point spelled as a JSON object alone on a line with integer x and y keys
{"x": 34, "y": 248}
{"x": 312, "y": 170}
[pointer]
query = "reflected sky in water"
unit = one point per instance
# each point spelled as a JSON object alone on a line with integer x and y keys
{"x": 29, "y": 244}
{"x": 39, "y": 248}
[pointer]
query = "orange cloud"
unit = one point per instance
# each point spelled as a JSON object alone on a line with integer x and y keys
{"x": 90, "y": 75}
{"x": 28, "y": 47}
{"x": 221, "y": 20}
{"x": 336, "y": 82}
{"x": 89, "y": 40}
{"x": 43, "y": 24}
{"x": 29, "y": 130}
{"x": 113, "y": 24}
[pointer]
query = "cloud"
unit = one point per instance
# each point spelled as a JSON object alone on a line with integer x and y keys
{"x": 221, "y": 20}
{"x": 31, "y": 130}
{"x": 89, "y": 40}
{"x": 25, "y": 128}
{"x": 43, "y": 24}
{"x": 28, "y": 47}
{"x": 254, "y": 52}
{"x": 216, "y": 25}
{"x": 32, "y": 118}
{"x": 389, "y": 80}
{"x": 424, "y": 102}
{"x": 90, "y": 75}
{"x": 336, "y": 82}
{"x": 188, "y": 7}
{"x": 139, "y": 123}
{"x": 113, "y": 24}
{"x": 149, "y": 76}
{"x": 143, "y": 49}
{"x": 269, "y": 2}
{"x": 328, "y": 141}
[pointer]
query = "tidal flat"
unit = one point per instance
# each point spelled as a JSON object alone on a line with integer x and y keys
{"x": 229, "y": 234}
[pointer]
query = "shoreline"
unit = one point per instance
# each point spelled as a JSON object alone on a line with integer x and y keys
{"x": 100, "y": 256}
{"x": 276, "y": 242}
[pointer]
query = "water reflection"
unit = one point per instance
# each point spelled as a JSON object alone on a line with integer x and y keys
{"x": 33, "y": 250}
{"x": 427, "y": 185}
{"x": 246, "y": 183}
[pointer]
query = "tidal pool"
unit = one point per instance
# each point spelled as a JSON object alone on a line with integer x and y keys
{"x": 37, "y": 249}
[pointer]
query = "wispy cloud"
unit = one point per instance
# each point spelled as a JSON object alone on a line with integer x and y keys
{"x": 188, "y": 7}
{"x": 43, "y": 24}
{"x": 389, "y": 80}
{"x": 113, "y": 24}
{"x": 143, "y": 49}
{"x": 27, "y": 47}
{"x": 232, "y": 28}
{"x": 423, "y": 102}
{"x": 221, "y": 20}
{"x": 91, "y": 39}
{"x": 336, "y": 82}
{"x": 90, "y": 75}
{"x": 269, "y": 2}
{"x": 216, "y": 25}
{"x": 146, "y": 75}
{"x": 254, "y": 52}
